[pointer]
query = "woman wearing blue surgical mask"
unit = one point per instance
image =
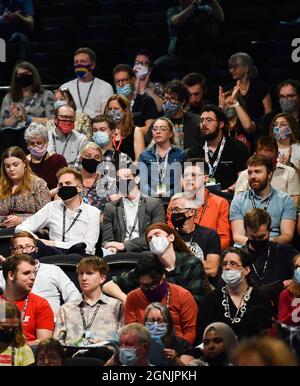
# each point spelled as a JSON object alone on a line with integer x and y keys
{"x": 236, "y": 302}
{"x": 285, "y": 129}
{"x": 166, "y": 348}
{"x": 124, "y": 140}
{"x": 63, "y": 97}
{"x": 289, "y": 300}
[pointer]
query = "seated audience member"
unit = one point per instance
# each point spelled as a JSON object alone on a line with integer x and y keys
{"x": 150, "y": 274}
{"x": 213, "y": 210}
{"x": 160, "y": 164}
{"x": 285, "y": 130}
{"x": 236, "y": 302}
{"x": 21, "y": 192}
{"x": 82, "y": 124}
{"x": 288, "y": 307}
{"x": 42, "y": 163}
{"x": 73, "y": 225}
{"x": 219, "y": 341}
{"x": 90, "y": 93}
{"x": 182, "y": 268}
{"x": 263, "y": 351}
{"x": 262, "y": 195}
{"x": 270, "y": 271}
{"x": 98, "y": 189}
{"x": 186, "y": 132}
{"x": 123, "y": 137}
{"x": 226, "y": 157}
{"x": 143, "y": 107}
{"x": 195, "y": 83}
{"x": 63, "y": 139}
{"x": 288, "y": 94}
{"x": 51, "y": 283}
{"x": 126, "y": 219}
{"x": 240, "y": 126}
{"x": 143, "y": 68}
{"x": 166, "y": 348}
{"x": 203, "y": 242}
{"x": 134, "y": 345}
{"x": 25, "y": 102}
{"x": 254, "y": 94}
{"x": 284, "y": 178}
{"x": 50, "y": 352}
{"x": 13, "y": 348}
{"x": 37, "y": 317}
{"x": 94, "y": 317}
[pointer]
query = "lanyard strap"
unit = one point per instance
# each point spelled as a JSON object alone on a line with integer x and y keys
{"x": 168, "y": 297}
{"x": 213, "y": 168}
{"x": 86, "y": 326}
{"x": 162, "y": 171}
{"x": 204, "y": 206}
{"x": 64, "y": 231}
{"x": 254, "y": 201}
{"x": 117, "y": 146}
{"x": 87, "y": 97}
{"x": 24, "y": 309}
{"x": 135, "y": 220}
{"x": 65, "y": 146}
{"x": 261, "y": 278}
{"x": 13, "y": 354}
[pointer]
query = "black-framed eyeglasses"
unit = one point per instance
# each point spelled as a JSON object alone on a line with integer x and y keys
{"x": 66, "y": 118}
{"x": 208, "y": 120}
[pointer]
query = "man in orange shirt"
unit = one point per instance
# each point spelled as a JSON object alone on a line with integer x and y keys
{"x": 213, "y": 210}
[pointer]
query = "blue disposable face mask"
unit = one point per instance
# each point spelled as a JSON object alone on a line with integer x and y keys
{"x": 170, "y": 109}
{"x": 127, "y": 356}
{"x": 156, "y": 329}
{"x": 58, "y": 104}
{"x": 288, "y": 106}
{"x": 101, "y": 138}
{"x": 125, "y": 90}
{"x": 297, "y": 275}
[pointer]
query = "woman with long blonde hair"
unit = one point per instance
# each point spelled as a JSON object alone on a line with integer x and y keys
{"x": 21, "y": 192}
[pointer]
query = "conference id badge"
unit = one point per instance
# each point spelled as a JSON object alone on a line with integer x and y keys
{"x": 212, "y": 181}
{"x": 161, "y": 189}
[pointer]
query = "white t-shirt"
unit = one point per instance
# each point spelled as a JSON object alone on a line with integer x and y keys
{"x": 100, "y": 92}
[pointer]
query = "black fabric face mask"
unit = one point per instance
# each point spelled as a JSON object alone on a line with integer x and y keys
{"x": 66, "y": 192}
{"x": 178, "y": 219}
{"x": 7, "y": 336}
{"x": 24, "y": 80}
{"x": 90, "y": 164}
{"x": 259, "y": 245}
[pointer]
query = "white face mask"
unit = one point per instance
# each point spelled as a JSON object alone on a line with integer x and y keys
{"x": 232, "y": 277}
{"x": 158, "y": 245}
{"x": 140, "y": 70}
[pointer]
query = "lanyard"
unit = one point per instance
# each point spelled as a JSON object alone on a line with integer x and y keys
{"x": 254, "y": 201}
{"x": 24, "y": 309}
{"x": 168, "y": 297}
{"x": 13, "y": 354}
{"x": 65, "y": 146}
{"x": 162, "y": 171}
{"x": 86, "y": 326}
{"x": 213, "y": 168}
{"x": 64, "y": 231}
{"x": 135, "y": 220}
{"x": 87, "y": 97}
{"x": 204, "y": 206}
{"x": 261, "y": 278}
{"x": 115, "y": 143}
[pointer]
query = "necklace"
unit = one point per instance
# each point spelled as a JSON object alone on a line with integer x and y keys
{"x": 245, "y": 89}
{"x": 242, "y": 308}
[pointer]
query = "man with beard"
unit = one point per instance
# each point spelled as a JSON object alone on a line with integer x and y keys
{"x": 226, "y": 156}
{"x": 272, "y": 265}
{"x": 262, "y": 195}
{"x": 125, "y": 220}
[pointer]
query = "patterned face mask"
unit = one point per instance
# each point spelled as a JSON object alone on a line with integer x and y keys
{"x": 281, "y": 133}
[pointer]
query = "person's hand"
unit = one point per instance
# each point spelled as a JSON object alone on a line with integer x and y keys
{"x": 236, "y": 90}
{"x": 2, "y": 258}
{"x": 221, "y": 97}
{"x": 170, "y": 354}
{"x": 285, "y": 159}
{"x": 113, "y": 250}
{"x": 17, "y": 15}
{"x": 8, "y": 16}
{"x": 286, "y": 283}
{"x": 115, "y": 244}
{"x": 12, "y": 221}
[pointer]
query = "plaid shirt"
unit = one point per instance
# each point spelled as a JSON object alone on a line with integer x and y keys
{"x": 188, "y": 273}
{"x": 69, "y": 324}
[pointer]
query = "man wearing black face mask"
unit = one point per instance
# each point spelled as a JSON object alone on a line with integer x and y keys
{"x": 74, "y": 226}
{"x": 126, "y": 219}
{"x": 272, "y": 262}
{"x": 203, "y": 241}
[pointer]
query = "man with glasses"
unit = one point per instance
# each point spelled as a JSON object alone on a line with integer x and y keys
{"x": 288, "y": 94}
{"x": 50, "y": 282}
{"x": 226, "y": 157}
{"x": 176, "y": 97}
{"x": 90, "y": 94}
{"x": 143, "y": 107}
{"x": 63, "y": 139}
